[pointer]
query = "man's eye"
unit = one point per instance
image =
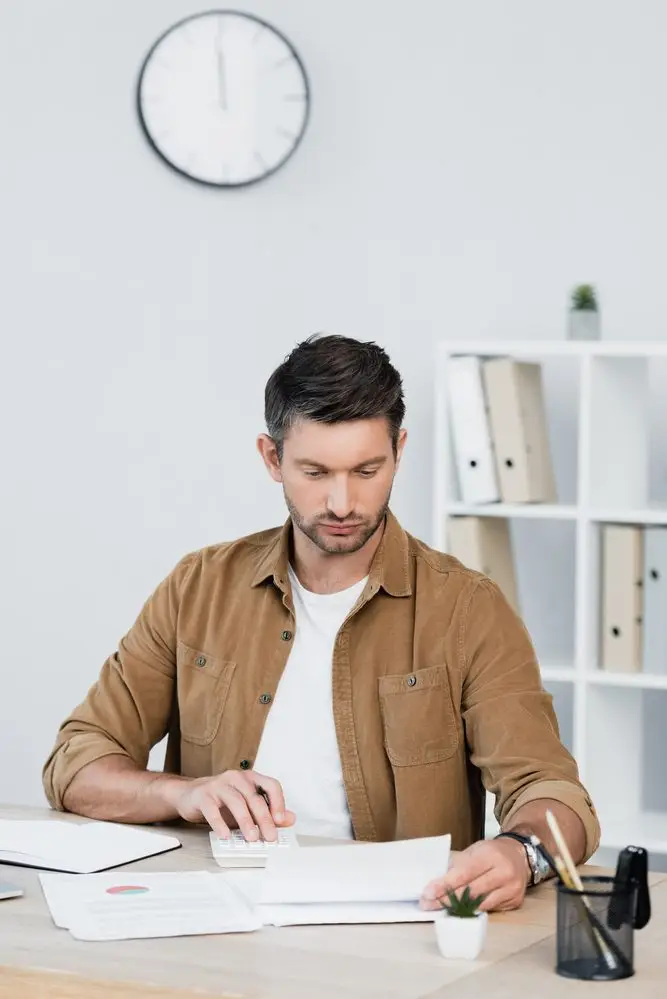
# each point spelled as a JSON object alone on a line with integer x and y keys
{"x": 312, "y": 474}
{"x": 367, "y": 473}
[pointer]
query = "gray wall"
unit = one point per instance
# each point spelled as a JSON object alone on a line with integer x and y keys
{"x": 465, "y": 164}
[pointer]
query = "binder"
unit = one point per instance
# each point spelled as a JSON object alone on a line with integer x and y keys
{"x": 471, "y": 436}
{"x": 654, "y": 658}
{"x": 519, "y": 430}
{"x": 485, "y": 545}
{"x": 622, "y": 601}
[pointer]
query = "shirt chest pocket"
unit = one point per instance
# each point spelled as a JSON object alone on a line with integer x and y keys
{"x": 418, "y": 717}
{"x": 203, "y": 683}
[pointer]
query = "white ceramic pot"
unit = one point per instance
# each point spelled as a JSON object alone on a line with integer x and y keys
{"x": 584, "y": 325}
{"x": 460, "y": 938}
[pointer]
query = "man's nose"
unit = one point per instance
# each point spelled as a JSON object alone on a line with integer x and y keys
{"x": 340, "y": 501}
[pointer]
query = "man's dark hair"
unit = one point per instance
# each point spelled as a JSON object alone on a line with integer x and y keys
{"x": 331, "y": 379}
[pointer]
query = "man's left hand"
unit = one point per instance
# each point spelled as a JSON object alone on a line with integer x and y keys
{"x": 496, "y": 868}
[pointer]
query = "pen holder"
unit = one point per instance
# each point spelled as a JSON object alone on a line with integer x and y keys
{"x": 595, "y": 930}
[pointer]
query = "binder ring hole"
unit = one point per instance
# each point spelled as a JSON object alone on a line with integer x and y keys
{"x": 654, "y": 574}
{"x": 509, "y": 462}
{"x": 616, "y": 632}
{"x": 473, "y": 463}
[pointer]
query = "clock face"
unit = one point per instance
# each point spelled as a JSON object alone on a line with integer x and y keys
{"x": 223, "y": 98}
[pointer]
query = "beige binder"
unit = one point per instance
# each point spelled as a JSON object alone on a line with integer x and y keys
{"x": 622, "y": 599}
{"x": 519, "y": 431}
{"x": 484, "y": 544}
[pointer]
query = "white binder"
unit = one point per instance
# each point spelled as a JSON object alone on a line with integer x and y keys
{"x": 485, "y": 545}
{"x": 622, "y": 603}
{"x": 471, "y": 437}
{"x": 519, "y": 430}
{"x": 655, "y": 600}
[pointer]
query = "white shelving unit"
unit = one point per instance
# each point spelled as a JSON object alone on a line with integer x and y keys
{"x": 608, "y": 434}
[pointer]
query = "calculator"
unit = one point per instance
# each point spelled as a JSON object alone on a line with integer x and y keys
{"x": 239, "y": 852}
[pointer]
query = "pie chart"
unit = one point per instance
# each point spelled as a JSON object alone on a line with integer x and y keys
{"x": 126, "y": 890}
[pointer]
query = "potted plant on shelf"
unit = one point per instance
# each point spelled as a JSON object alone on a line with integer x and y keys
{"x": 584, "y": 314}
{"x": 461, "y": 928}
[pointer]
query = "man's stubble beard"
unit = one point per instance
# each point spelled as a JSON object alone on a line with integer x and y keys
{"x": 332, "y": 545}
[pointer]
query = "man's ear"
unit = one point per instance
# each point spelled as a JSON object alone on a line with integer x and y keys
{"x": 400, "y": 444}
{"x": 269, "y": 452}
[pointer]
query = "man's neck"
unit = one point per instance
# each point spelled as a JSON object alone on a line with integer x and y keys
{"x": 321, "y": 572}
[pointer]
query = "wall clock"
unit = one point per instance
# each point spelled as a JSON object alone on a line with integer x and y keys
{"x": 223, "y": 98}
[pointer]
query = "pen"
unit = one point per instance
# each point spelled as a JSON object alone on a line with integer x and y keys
{"x": 263, "y": 793}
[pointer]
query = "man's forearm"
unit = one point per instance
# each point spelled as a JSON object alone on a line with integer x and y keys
{"x": 531, "y": 820}
{"x": 115, "y": 789}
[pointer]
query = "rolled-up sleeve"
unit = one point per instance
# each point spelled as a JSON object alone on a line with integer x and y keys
{"x": 510, "y": 723}
{"x": 128, "y": 709}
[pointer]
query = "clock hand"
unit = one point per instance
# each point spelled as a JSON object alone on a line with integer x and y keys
{"x": 222, "y": 79}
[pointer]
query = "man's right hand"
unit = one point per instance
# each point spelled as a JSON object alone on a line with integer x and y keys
{"x": 231, "y": 800}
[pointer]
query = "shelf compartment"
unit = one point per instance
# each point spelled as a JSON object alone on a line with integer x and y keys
{"x": 625, "y": 764}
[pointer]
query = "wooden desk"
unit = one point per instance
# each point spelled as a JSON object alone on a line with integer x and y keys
{"x": 398, "y": 961}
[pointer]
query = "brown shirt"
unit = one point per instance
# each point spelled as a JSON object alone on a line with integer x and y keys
{"x": 436, "y": 690}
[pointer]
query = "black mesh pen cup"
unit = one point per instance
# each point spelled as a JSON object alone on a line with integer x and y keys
{"x": 595, "y": 931}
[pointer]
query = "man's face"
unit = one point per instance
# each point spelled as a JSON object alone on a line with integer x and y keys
{"x": 337, "y": 480}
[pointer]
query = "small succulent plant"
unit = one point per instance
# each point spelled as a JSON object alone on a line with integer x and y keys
{"x": 584, "y": 299}
{"x": 465, "y": 907}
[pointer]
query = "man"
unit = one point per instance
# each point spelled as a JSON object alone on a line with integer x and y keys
{"x": 335, "y": 672}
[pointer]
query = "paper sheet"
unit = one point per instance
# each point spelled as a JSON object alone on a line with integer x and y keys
{"x": 134, "y": 905}
{"x": 314, "y": 914}
{"x": 367, "y": 872}
{"x": 79, "y": 847}
{"x": 251, "y": 884}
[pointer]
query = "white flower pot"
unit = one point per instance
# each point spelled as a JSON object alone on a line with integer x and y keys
{"x": 460, "y": 938}
{"x": 584, "y": 325}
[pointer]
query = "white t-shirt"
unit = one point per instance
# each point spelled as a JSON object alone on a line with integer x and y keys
{"x": 298, "y": 745}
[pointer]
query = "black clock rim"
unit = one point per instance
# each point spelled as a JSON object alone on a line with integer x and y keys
{"x": 222, "y": 185}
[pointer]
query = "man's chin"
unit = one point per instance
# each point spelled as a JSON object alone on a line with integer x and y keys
{"x": 340, "y": 544}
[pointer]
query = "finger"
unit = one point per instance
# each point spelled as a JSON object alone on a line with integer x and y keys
{"x": 236, "y": 802}
{"x": 275, "y": 793}
{"x": 211, "y": 812}
{"x": 460, "y": 874}
{"x": 260, "y": 812}
{"x": 502, "y": 900}
{"x": 255, "y": 796}
{"x": 493, "y": 880}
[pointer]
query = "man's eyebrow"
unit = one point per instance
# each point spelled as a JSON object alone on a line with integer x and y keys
{"x": 378, "y": 460}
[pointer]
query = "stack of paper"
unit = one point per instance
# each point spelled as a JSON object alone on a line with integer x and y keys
{"x": 361, "y": 883}
{"x": 135, "y": 905}
{"x": 79, "y": 847}
{"x": 364, "y": 883}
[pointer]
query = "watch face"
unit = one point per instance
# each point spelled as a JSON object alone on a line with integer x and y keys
{"x": 543, "y": 869}
{"x": 223, "y": 98}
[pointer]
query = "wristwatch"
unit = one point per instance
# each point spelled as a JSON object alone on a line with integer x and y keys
{"x": 539, "y": 868}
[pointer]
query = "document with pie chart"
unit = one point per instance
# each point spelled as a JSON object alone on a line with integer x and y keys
{"x": 132, "y": 905}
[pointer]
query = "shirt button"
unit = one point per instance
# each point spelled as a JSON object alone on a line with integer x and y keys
{"x": 412, "y": 681}
{"x": 265, "y": 699}
{"x": 245, "y": 764}
{"x": 286, "y": 635}
{"x": 200, "y": 661}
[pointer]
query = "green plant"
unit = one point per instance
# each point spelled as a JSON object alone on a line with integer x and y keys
{"x": 465, "y": 906}
{"x": 584, "y": 299}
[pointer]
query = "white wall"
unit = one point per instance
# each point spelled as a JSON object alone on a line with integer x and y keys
{"x": 465, "y": 164}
